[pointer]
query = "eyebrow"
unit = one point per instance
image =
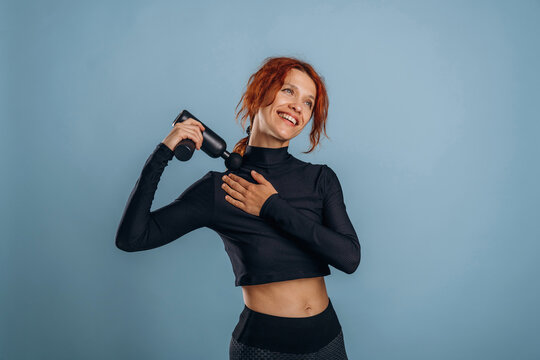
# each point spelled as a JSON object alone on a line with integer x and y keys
{"x": 296, "y": 87}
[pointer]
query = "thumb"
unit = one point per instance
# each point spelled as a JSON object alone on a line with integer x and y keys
{"x": 258, "y": 177}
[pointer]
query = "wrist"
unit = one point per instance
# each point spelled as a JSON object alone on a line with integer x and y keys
{"x": 264, "y": 207}
{"x": 168, "y": 145}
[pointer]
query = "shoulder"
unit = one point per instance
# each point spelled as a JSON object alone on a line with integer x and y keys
{"x": 322, "y": 172}
{"x": 317, "y": 168}
{"x": 206, "y": 178}
{"x": 329, "y": 181}
{"x": 329, "y": 172}
{"x": 202, "y": 187}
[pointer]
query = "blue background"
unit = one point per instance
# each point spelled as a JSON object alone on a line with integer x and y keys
{"x": 433, "y": 127}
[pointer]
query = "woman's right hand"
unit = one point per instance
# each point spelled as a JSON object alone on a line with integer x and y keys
{"x": 187, "y": 129}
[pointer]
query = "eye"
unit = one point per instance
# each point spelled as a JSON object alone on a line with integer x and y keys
{"x": 310, "y": 104}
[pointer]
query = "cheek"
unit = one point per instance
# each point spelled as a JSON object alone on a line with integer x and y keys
{"x": 306, "y": 124}
{"x": 268, "y": 114}
{"x": 265, "y": 119}
{"x": 265, "y": 112}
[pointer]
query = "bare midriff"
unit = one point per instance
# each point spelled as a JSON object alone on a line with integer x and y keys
{"x": 292, "y": 298}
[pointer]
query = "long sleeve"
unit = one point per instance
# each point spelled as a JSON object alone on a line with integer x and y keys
{"x": 142, "y": 229}
{"x": 335, "y": 240}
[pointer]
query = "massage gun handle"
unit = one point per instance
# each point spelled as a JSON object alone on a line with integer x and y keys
{"x": 212, "y": 144}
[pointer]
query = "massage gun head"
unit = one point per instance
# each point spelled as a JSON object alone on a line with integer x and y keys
{"x": 233, "y": 161}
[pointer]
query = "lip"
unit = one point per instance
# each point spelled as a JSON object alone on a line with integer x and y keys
{"x": 296, "y": 118}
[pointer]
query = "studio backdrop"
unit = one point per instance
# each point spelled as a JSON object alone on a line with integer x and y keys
{"x": 433, "y": 132}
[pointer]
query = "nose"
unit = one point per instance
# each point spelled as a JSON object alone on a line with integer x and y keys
{"x": 297, "y": 107}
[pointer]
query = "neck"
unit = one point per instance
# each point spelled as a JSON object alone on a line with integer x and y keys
{"x": 263, "y": 140}
{"x": 265, "y": 156}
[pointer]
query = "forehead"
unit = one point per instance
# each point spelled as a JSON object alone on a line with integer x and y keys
{"x": 302, "y": 81}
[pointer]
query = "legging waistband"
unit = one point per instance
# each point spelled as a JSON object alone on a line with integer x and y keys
{"x": 287, "y": 334}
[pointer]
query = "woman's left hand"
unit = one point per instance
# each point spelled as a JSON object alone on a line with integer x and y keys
{"x": 245, "y": 195}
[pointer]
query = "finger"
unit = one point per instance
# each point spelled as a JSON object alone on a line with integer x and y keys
{"x": 194, "y": 135}
{"x": 258, "y": 177}
{"x": 197, "y": 123}
{"x": 191, "y": 123}
{"x": 201, "y": 126}
{"x": 240, "y": 180}
{"x": 196, "y": 127}
{"x": 197, "y": 133}
{"x": 235, "y": 202}
{"x": 199, "y": 136}
{"x": 235, "y": 194}
{"x": 233, "y": 184}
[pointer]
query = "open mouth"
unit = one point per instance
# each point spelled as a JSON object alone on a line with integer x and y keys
{"x": 287, "y": 118}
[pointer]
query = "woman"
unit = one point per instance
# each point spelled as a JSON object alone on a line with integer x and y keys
{"x": 282, "y": 220}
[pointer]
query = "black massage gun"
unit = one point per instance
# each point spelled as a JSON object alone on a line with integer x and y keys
{"x": 212, "y": 144}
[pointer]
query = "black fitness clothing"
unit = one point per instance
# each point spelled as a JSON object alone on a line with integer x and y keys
{"x": 263, "y": 336}
{"x": 299, "y": 232}
{"x": 334, "y": 350}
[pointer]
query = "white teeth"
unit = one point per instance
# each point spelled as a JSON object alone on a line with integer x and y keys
{"x": 288, "y": 117}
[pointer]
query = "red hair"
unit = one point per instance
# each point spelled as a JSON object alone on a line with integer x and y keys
{"x": 265, "y": 83}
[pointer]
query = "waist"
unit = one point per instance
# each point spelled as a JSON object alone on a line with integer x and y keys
{"x": 287, "y": 334}
{"x": 292, "y": 298}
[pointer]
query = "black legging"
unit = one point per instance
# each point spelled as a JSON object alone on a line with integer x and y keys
{"x": 268, "y": 337}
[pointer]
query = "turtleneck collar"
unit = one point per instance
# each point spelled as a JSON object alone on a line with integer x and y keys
{"x": 258, "y": 155}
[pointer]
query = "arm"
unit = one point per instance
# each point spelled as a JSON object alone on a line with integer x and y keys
{"x": 335, "y": 240}
{"x": 141, "y": 229}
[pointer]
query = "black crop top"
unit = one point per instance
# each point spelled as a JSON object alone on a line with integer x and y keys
{"x": 299, "y": 231}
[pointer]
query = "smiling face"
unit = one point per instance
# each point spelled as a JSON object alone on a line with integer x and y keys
{"x": 274, "y": 125}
